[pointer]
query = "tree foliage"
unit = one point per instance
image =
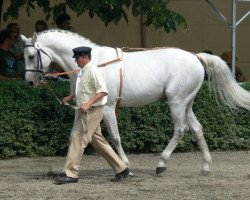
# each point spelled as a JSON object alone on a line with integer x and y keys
{"x": 155, "y": 12}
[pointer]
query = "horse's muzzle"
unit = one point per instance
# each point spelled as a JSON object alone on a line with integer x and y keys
{"x": 30, "y": 84}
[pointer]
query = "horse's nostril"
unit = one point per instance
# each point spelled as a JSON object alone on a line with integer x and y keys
{"x": 30, "y": 83}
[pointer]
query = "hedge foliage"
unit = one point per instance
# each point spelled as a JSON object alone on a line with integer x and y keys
{"x": 32, "y": 123}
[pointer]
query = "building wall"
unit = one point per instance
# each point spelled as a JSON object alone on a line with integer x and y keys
{"x": 206, "y": 30}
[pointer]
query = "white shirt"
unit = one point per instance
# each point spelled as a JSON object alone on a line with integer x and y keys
{"x": 90, "y": 81}
{"x": 77, "y": 81}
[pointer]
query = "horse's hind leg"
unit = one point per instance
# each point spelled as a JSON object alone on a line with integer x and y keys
{"x": 196, "y": 129}
{"x": 178, "y": 111}
{"x": 111, "y": 122}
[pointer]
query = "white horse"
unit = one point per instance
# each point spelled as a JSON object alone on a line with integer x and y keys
{"x": 148, "y": 76}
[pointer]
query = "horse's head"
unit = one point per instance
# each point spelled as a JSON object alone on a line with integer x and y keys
{"x": 37, "y": 60}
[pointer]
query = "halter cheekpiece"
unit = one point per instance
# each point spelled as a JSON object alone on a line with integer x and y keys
{"x": 40, "y": 67}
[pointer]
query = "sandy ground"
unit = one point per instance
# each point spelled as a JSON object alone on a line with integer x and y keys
{"x": 30, "y": 178}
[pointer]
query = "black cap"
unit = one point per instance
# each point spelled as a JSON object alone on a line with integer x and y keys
{"x": 79, "y": 51}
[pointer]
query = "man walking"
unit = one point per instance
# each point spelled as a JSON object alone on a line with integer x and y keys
{"x": 91, "y": 96}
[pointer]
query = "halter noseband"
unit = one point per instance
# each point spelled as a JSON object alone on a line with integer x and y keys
{"x": 39, "y": 59}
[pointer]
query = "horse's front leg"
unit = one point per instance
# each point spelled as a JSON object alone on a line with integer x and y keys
{"x": 75, "y": 129}
{"x": 110, "y": 120}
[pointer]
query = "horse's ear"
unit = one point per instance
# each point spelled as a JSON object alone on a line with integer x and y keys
{"x": 24, "y": 38}
{"x": 34, "y": 37}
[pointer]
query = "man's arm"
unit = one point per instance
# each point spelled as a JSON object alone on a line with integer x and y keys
{"x": 93, "y": 100}
{"x": 68, "y": 98}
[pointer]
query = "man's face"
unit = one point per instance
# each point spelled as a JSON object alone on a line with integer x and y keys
{"x": 9, "y": 42}
{"x": 82, "y": 60}
{"x": 40, "y": 28}
{"x": 65, "y": 25}
{"x": 15, "y": 32}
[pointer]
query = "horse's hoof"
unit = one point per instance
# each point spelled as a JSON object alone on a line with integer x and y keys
{"x": 159, "y": 170}
{"x": 205, "y": 173}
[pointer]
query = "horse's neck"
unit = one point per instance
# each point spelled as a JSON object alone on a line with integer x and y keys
{"x": 64, "y": 62}
{"x": 61, "y": 45}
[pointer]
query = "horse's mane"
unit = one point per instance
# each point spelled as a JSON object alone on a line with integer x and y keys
{"x": 66, "y": 32}
{"x": 59, "y": 31}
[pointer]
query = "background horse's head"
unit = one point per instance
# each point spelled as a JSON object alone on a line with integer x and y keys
{"x": 37, "y": 60}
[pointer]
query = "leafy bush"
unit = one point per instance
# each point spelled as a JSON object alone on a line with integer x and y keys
{"x": 32, "y": 123}
{"x": 150, "y": 128}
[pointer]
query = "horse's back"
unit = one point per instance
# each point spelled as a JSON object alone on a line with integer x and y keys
{"x": 154, "y": 74}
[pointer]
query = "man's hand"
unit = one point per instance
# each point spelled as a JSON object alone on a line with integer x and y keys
{"x": 84, "y": 108}
{"x": 67, "y": 98}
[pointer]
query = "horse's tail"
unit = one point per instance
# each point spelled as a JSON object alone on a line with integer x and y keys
{"x": 222, "y": 81}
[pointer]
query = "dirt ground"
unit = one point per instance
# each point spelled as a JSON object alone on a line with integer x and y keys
{"x": 30, "y": 178}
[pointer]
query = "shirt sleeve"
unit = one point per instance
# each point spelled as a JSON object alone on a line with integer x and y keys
{"x": 99, "y": 81}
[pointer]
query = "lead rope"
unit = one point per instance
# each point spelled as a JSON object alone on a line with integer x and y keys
{"x": 118, "y": 59}
{"x": 60, "y": 102}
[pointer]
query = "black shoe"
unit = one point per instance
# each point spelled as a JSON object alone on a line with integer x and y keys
{"x": 62, "y": 174}
{"x": 65, "y": 179}
{"x": 123, "y": 175}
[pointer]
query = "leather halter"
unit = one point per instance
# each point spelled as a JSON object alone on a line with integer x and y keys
{"x": 40, "y": 67}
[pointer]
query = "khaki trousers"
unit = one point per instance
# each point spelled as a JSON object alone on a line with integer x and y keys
{"x": 87, "y": 130}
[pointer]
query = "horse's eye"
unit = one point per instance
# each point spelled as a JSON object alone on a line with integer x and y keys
{"x": 31, "y": 57}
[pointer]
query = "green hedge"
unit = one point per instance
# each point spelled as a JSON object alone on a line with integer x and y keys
{"x": 32, "y": 123}
{"x": 150, "y": 128}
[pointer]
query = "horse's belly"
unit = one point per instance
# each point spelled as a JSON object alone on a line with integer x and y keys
{"x": 140, "y": 97}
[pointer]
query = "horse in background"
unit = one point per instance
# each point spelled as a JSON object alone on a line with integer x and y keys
{"x": 145, "y": 76}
